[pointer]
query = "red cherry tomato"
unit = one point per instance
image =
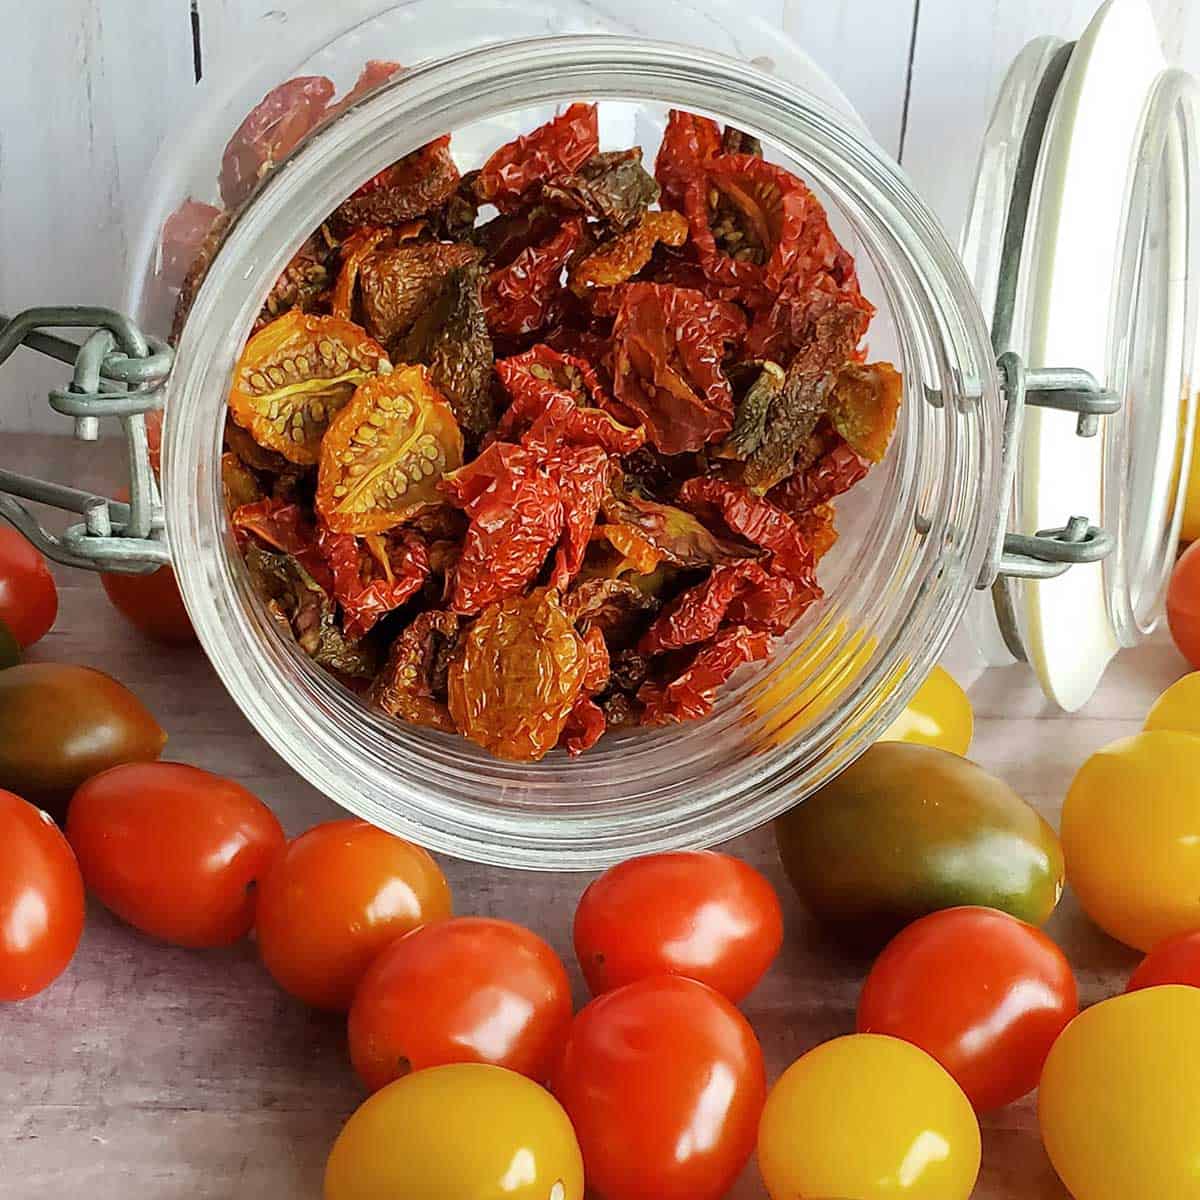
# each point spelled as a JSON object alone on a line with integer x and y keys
{"x": 342, "y": 892}
{"x": 470, "y": 989}
{"x": 174, "y": 850}
{"x": 696, "y": 913}
{"x": 28, "y": 597}
{"x": 1183, "y": 605}
{"x": 982, "y": 992}
{"x": 1177, "y": 960}
{"x": 41, "y": 900}
{"x": 153, "y": 604}
{"x": 663, "y": 1080}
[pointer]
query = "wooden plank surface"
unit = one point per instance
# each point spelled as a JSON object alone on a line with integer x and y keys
{"x": 148, "y": 1071}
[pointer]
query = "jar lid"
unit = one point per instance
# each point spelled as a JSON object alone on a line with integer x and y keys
{"x": 1088, "y": 170}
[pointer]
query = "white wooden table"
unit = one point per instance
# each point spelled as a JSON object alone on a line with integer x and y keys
{"x": 158, "y": 1073}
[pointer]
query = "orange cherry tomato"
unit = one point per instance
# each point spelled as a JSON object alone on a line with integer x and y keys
{"x": 341, "y": 893}
{"x": 663, "y": 1080}
{"x": 41, "y": 900}
{"x": 983, "y": 993}
{"x": 28, "y": 597}
{"x": 153, "y": 604}
{"x": 470, "y": 989}
{"x": 1183, "y": 605}
{"x": 1177, "y": 960}
{"x": 697, "y": 913}
{"x": 174, "y": 850}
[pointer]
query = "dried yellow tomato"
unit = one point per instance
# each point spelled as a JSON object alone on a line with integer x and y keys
{"x": 520, "y": 672}
{"x": 294, "y": 375}
{"x": 622, "y": 257}
{"x": 863, "y": 406}
{"x": 386, "y": 452}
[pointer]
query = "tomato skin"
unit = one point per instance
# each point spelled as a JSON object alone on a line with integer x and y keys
{"x": 468, "y": 989}
{"x": 981, "y": 992}
{"x": 872, "y": 1118}
{"x": 341, "y": 893}
{"x": 1177, "y": 960}
{"x": 28, "y": 597}
{"x": 173, "y": 850}
{"x": 697, "y": 913}
{"x": 456, "y": 1133}
{"x": 41, "y": 900}
{"x": 1119, "y": 1097}
{"x": 636, "y": 1078}
{"x": 939, "y": 714}
{"x": 1183, "y": 605}
{"x": 152, "y": 603}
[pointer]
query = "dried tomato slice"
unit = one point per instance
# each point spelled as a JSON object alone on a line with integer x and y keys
{"x": 585, "y": 726}
{"x": 581, "y": 473}
{"x": 405, "y": 688}
{"x": 622, "y": 257}
{"x": 817, "y": 528}
{"x": 696, "y": 615}
{"x": 183, "y": 235}
{"x": 294, "y": 375}
{"x": 398, "y": 285}
{"x": 835, "y": 472}
{"x": 522, "y": 297}
{"x": 863, "y": 406}
{"x": 558, "y": 147}
{"x": 521, "y": 669}
{"x": 302, "y": 283}
{"x": 271, "y": 129}
{"x": 614, "y": 607}
{"x": 776, "y": 603}
{"x": 674, "y": 533}
{"x": 636, "y": 554}
{"x": 690, "y": 694}
{"x": 374, "y": 73}
{"x": 238, "y": 483}
{"x": 688, "y": 142}
{"x": 284, "y": 526}
{"x": 612, "y": 187}
{"x": 372, "y": 577}
{"x": 355, "y": 249}
{"x": 385, "y": 453}
{"x": 415, "y": 185}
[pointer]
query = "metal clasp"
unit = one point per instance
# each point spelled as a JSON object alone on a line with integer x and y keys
{"x": 118, "y": 372}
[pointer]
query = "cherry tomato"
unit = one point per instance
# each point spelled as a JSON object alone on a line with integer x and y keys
{"x": 342, "y": 892}
{"x": 696, "y": 913}
{"x": 872, "y": 1118}
{"x": 41, "y": 900}
{"x": 1119, "y": 1098}
{"x": 1178, "y": 707}
{"x": 153, "y": 604}
{"x": 470, "y": 989}
{"x": 28, "y": 597}
{"x": 1177, "y": 960}
{"x": 1183, "y": 605}
{"x": 174, "y": 850}
{"x": 460, "y": 1132}
{"x": 980, "y": 991}
{"x": 1131, "y": 837}
{"x": 938, "y": 715}
{"x": 663, "y": 1080}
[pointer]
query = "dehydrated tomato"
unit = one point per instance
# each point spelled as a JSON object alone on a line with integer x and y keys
{"x": 690, "y": 694}
{"x": 183, "y": 236}
{"x": 374, "y": 576}
{"x": 863, "y": 406}
{"x": 294, "y": 375}
{"x": 238, "y": 483}
{"x": 385, "y": 453}
{"x": 697, "y": 614}
{"x": 354, "y": 250}
{"x": 668, "y": 343}
{"x": 411, "y": 187}
{"x": 817, "y": 529}
{"x": 614, "y": 607}
{"x": 519, "y": 674}
{"x": 675, "y": 533}
{"x": 623, "y": 256}
{"x": 559, "y": 147}
{"x": 612, "y": 187}
{"x": 584, "y": 727}
{"x": 688, "y": 142}
{"x": 581, "y": 473}
{"x": 635, "y": 554}
{"x": 521, "y": 298}
{"x": 284, "y": 526}
{"x": 375, "y": 71}
{"x": 595, "y": 677}
{"x": 397, "y": 285}
{"x": 407, "y": 687}
{"x": 302, "y": 284}
{"x": 775, "y": 603}
{"x": 504, "y": 237}
{"x": 835, "y": 472}
{"x": 196, "y": 273}
{"x": 271, "y": 129}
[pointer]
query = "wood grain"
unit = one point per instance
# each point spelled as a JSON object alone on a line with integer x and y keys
{"x": 150, "y": 1071}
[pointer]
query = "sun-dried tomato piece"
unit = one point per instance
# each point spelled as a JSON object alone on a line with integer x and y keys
{"x": 374, "y": 73}
{"x": 623, "y": 256}
{"x": 584, "y": 727}
{"x": 612, "y": 187}
{"x": 696, "y": 615}
{"x": 556, "y": 148}
{"x": 595, "y": 677}
{"x": 406, "y": 688}
{"x": 397, "y": 285}
{"x": 520, "y": 671}
{"x": 688, "y": 142}
{"x": 614, "y": 607}
{"x": 197, "y": 271}
{"x": 355, "y": 250}
{"x": 183, "y": 235}
{"x": 271, "y": 129}
{"x": 411, "y": 187}
{"x": 817, "y": 528}
{"x": 690, "y": 695}
{"x": 294, "y": 375}
{"x": 516, "y": 513}
{"x": 775, "y": 603}
{"x": 668, "y": 343}
{"x": 581, "y": 473}
{"x": 863, "y": 406}
{"x": 373, "y": 576}
{"x": 835, "y": 472}
{"x": 522, "y": 297}
{"x": 675, "y": 533}
{"x": 735, "y": 141}
{"x": 634, "y": 553}
{"x": 302, "y": 284}
{"x": 286, "y": 526}
{"x": 238, "y": 483}
{"x": 385, "y": 453}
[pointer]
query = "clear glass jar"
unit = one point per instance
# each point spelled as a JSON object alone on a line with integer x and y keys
{"x": 914, "y": 535}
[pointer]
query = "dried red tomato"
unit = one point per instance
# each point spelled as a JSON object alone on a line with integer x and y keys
{"x": 355, "y": 249}
{"x": 612, "y": 607}
{"x": 375, "y": 72}
{"x": 581, "y": 473}
{"x": 519, "y": 674}
{"x": 559, "y": 147}
{"x": 287, "y": 527}
{"x": 238, "y": 483}
{"x": 623, "y": 256}
{"x": 688, "y": 142}
{"x": 397, "y": 285}
{"x": 271, "y": 129}
{"x": 411, "y": 187}
{"x": 373, "y": 576}
{"x": 675, "y": 533}
{"x": 816, "y": 527}
{"x": 776, "y": 603}
{"x": 522, "y": 297}
{"x": 584, "y": 727}
{"x": 690, "y": 694}
{"x": 696, "y": 615}
{"x": 668, "y": 343}
{"x": 835, "y": 472}
{"x": 183, "y": 236}
{"x": 406, "y": 687}
{"x": 614, "y": 188}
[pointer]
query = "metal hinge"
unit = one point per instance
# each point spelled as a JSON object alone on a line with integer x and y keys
{"x": 119, "y": 372}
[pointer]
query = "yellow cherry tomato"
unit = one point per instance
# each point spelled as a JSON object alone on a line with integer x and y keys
{"x": 1119, "y": 1103}
{"x": 1131, "y": 837}
{"x": 938, "y": 715}
{"x": 1191, "y": 510}
{"x": 869, "y": 1117}
{"x": 460, "y": 1132}
{"x": 1178, "y": 707}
